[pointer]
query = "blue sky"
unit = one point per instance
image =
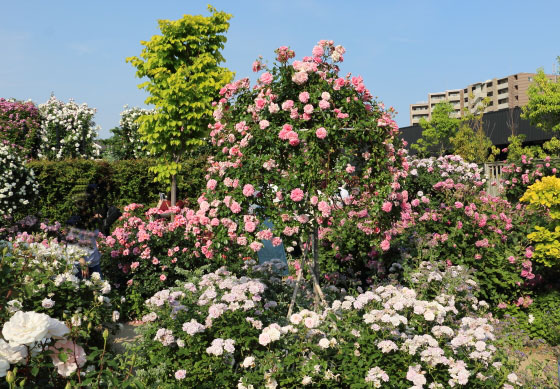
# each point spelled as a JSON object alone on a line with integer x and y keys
{"x": 403, "y": 49}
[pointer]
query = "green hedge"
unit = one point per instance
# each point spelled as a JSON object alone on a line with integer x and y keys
{"x": 63, "y": 185}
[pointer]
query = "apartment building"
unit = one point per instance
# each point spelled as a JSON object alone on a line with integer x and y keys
{"x": 506, "y": 92}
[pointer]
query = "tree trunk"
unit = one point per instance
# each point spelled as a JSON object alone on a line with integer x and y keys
{"x": 173, "y": 190}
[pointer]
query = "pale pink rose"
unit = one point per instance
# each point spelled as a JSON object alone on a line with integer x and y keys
{"x": 415, "y": 202}
{"x": 287, "y": 105}
{"x": 163, "y": 277}
{"x": 293, "y": 138}
{"x": 134, "y": 265}
{"x": 321, "y": 133}
{"x": 180, "y": 374}
{"x": 155, "y": 261}
{"x": 350, "y": 169}
{"x": 266, "y": 78}
{"x": 300, "y": 78}
{"x": 308, "y": 109}
{"x": 211, "y": 184}
{"x": 256, "y": 246}
{"x": 314, "y": 200}
{"x": 294, "y": 114}
{"x": 273, "y": 108}
{"x": 318, "y": 51}
{"x": 250, "y": 226}
{"x": 248, "y": 190}
{"x": 387, "y": 206}
{"x": 256, "y": 66}
{"x": 277, "y": 241}
{"x": 242, "y": 241}
{"x": 304, "y": 97}
{"x": 235, "y": 207}
{"x": 76, "y": 356}
{"x": 324, "y": 104}
{"x": 326, "y": 96}
{"x": 264, "y": 124}
{"x": 296, "y": 194}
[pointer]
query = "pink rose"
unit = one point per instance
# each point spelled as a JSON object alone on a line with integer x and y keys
{"x": 264, "y": 124}
{"x": 155, "y": 261}
{"x": 287, "y": 105}
{"x": 296, "y": 194}
{"x": 304, "y": 97}
{"x": 385, "y": 245}
{"x": 75, "y": 356}
{"x": 350, "y": 169}
{"x": 321, "y": 133}
{"x": 211, "y": 184}
{"x": 256, "y": 246}
{"x": 134, "y": 265}
{"x": 314, "y": 200}
{"x": 318, "y": 51}
{"x": 242, "y": 241}
{"x": 326, "y": 96}
{"x": 294, "y": 114}
{"x": 308, "y": 109}
{"x": 324, "y": 104}
{"x": 300, "y": 78}
{"x": 235, "y": 207}
{"x": 163, "y": 277}
{"x": 250, "y": 226}
{"x": 387, "y": 206}
{"x": 248, "y": 190}
{"x": 266, "y": 78}
{"x": 276, "y": 241}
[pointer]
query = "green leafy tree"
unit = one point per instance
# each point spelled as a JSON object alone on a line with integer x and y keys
{"x": 184, "y": 77}
{"x": 470, "y": 141}
{"x": 438, "y": 131}
{"x": 543, "y": 109}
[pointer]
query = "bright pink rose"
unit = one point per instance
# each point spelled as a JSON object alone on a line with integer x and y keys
{"x": 296, "y": 194}
{"x": 385, "y": 245}
{"x": 350, "y": 169}
{"x": 294, "y": 114}
{"x": 250, "y": 226}
{"x": 266, "y": 78}
{"x": 387, "y": 206}
{"x": 304, "y": 97}
{"x": 321, "y": 133}
{"x": 155, "y": 261}
{"x": 248, "y": 190}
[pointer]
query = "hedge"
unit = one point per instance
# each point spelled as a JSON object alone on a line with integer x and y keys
{"x": 71, "y": 187}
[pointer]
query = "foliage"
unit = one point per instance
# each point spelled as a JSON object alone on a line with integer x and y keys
{"x": 126, "y": 144}
{"x": 456, "y": 222}
{"x": 17, "y": 184}
{"x": 67, "y": 130}
{"x": 438, "y": 131}
{"x": 543, "y": 109}
{"x": 516, "y": 151}
{"x": 237, "y": 338}
{"x": 471, "y": 142}
{"x": 518, "y": 176}
{"x": 544, "y": 195}
{"x": 63, "y": 185}
{"x": 184, "y": 76}
{"x": 19, "y": 125}
{"x": 307, "y": 151}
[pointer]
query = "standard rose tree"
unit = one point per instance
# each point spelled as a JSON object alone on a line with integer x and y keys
{"x": 305, "y": 149}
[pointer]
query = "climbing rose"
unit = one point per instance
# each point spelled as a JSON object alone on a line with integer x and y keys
{"x": 296, "y": 194}
{"x": 321, "y": 133}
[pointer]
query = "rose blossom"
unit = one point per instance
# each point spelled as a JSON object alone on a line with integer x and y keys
{"x": 180, "y": 374}
{"x": 304, "y": 97}
{"x": 248, "y": 190}
{"x": 296, "y": 194}
{"x": 300, "y": 78}
{"x": 324, "y": 104}
{"x": 75, "y": 356}
{"x": 321, "y": 133}
{"x": 264, "y": 124}
{"x": 287, "y": 105}
{"x": 308, "y": 109}
{"x": 266, "y": 78}
{"x": 26, "y": 328}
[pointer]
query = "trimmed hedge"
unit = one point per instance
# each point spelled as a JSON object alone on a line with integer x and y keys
{"x": 85, "y": 187}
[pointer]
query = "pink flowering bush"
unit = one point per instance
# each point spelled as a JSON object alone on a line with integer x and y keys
{"x": 221, "y": 330}
{"x": 311, "y": 152}
{"x": 518, "y": 176}
{"x": 20, "y": 123}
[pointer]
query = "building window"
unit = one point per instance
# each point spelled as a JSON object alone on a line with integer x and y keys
{"x": 502, "y": 101}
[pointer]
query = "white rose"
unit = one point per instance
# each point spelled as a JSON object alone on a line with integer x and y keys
{"x": 248, "y": 362}
{"x": 26, "y": 328}
{"x": 116, "y": 316}
{"x": 4, "y": 367}
{"x": 47, "y": 303}
{"x": 13, "y": 354}
{"x": 57, "y": 329}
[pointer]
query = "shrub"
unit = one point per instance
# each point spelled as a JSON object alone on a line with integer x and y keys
{"x": 126, "y": 142}
{"x": 17, "y": 184}
{"x": 517, "y": 177}
{"x": 67, "y": 130}
{"x": 20, "y": 124}
{"x": 219, "y": 330}
{"x": 544, "y": 195}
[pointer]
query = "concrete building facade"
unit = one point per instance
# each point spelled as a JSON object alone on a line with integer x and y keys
{"x": 506, "y": 92}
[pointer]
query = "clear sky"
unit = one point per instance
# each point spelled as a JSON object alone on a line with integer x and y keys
{"x": 403, "y": 49}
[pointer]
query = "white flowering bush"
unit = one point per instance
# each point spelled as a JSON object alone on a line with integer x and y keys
{"x": 17, "y": 183}
{"x": 40, "y": 275}
{"x": 67, "y": 130}
{"x": 221, "y": 331}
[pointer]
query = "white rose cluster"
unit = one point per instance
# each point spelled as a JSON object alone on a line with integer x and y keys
{"x": 32, "y": 332}
{"x": 17, "y": 182}
{"x": 132, "y": 144}
{"x": 67, "y": 130}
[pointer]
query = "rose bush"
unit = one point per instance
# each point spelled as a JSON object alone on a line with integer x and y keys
{"x": 20, "y": 124}
{"x": 518, "y": 176}
{"x": 67, "y": 130}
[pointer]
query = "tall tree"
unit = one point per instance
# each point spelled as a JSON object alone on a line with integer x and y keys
{"x": 184, "y": 77}
{"x": 438, "y": 131}
{"x": 543, "y": 109}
